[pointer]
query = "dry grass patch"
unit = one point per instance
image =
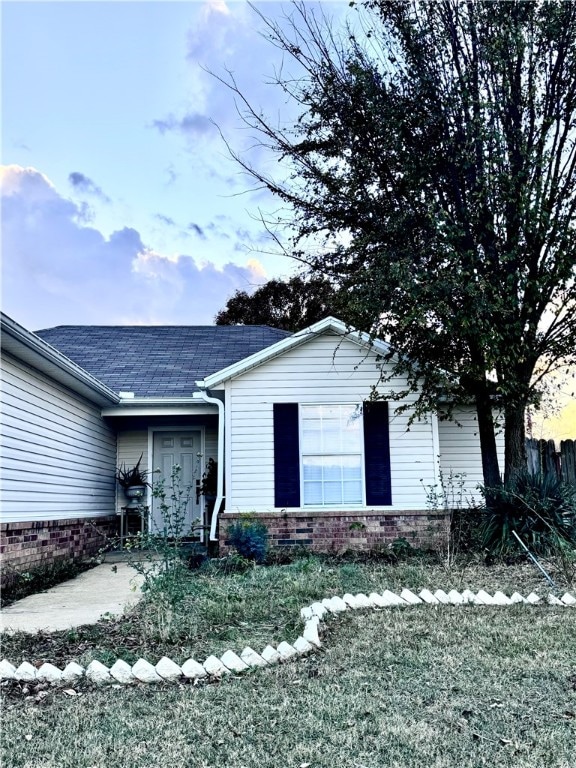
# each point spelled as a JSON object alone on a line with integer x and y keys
{"x": 220, "y": 610}
{"x": 447, "y": 687}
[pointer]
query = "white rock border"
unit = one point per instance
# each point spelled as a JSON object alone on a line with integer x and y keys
{"x": 213, "y": 667}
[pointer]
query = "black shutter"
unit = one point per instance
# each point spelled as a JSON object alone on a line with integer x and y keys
{"x": 377, "y": 454}
{"x": 286, "y": 455}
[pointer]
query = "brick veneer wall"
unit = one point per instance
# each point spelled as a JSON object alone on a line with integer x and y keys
{"x": 26, "y": 545}
{"x": 341, "y": 531}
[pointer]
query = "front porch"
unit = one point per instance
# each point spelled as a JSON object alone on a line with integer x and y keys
{"x": 186, "y": 437}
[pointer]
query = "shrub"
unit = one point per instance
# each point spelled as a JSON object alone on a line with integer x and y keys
{"x": 542, "y": 511}
{"x": 249, "y": 538}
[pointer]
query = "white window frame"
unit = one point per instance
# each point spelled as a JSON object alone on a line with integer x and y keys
{"x": 336, "y": 505}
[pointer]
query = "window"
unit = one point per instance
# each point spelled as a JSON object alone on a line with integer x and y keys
{"x": 331, "y": 454}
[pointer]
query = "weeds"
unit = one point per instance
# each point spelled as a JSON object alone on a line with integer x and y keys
{"x": 20, "y": 585}
{"x": 448, "y": 496}
{"x": 160, "y": 556}
{"x": 229, "y": 603}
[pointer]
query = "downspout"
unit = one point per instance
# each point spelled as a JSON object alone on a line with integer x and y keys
{"x": 203, "y": 395}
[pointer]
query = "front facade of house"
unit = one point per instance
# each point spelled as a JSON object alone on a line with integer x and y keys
{"x": 323, "y": 466}
{"x": 288, "y": 419}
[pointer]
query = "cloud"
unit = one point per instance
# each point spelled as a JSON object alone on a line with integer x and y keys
{"x": 224, "y": 39}
{"x": 191, "y": 124}
{"x": 197, "y": 229}
{"x": 165, "y": 220}
{"x": 83, "y": 184}
{"x": 57, "y": 271}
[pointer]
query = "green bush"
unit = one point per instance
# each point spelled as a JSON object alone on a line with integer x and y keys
{"x": 249, "y": 538}
{"x": 542, "y": 511}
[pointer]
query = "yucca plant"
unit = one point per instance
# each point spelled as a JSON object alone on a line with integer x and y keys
{"x": 541, "y": 509}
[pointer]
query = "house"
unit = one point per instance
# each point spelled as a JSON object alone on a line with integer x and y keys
{"x": 287, "y": 418}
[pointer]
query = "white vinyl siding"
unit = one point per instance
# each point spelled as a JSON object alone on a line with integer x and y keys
{"x": 460, "y": 456}
{"x": 327, "y": 369}
{"x": 58, "y": 458}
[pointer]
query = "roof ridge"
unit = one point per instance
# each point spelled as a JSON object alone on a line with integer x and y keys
{"x": 159, "y": 327}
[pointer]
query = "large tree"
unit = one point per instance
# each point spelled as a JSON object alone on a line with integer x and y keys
{"x": 433, "y": 166}
{"x": 289, "y": 304}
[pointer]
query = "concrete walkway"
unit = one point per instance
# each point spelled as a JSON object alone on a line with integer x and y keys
{"x": 107, "y": 589}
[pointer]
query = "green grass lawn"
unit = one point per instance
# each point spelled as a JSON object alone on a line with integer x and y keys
{"x": 424, "y": 686}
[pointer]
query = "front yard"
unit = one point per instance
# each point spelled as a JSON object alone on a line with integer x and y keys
{"x": 425, "y": 686}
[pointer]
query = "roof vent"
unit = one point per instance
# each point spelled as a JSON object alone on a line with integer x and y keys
{"x": 126, "y": 395}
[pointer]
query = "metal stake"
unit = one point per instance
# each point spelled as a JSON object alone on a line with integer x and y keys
{"x": 534, "y": 560}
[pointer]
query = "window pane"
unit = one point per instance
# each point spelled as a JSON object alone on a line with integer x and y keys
{"x": 331, "y": 411}
{"x": 311, "y": 439}
{"x": 352, "y": 492}
{"x": 311, "y": 412}
{"x": 312, "y": 493}
{"x": 331, "y": 436}
{"x": 313, "y": 468}
{"x": 351, "y": 468}
{"x": 332, "y": 493}
{"x": 352, "y": 438}
{"x": 332, "y": 469}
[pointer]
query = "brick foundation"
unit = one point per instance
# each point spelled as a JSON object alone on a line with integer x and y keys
{"x": 25, "y": 546}
{"x": 341, "y": 531}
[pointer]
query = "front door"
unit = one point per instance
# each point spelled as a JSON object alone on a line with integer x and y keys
{"x": 183, "y": 449}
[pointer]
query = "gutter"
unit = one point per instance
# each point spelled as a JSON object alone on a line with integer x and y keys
{"x": 203, "y": 395}
{"x": 49, "y": 360}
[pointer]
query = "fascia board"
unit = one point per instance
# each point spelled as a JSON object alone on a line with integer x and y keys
{"x": 121, "y": 411}
{"x": 290, "y": 342}
{"x": 160, "y": 406}
{"x": 31, "y": 349}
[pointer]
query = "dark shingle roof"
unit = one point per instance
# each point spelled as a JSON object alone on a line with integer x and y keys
{"x": 158, "y": 361}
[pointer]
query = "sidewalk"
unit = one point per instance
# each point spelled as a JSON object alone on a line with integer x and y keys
{"x": 106, "y": 589}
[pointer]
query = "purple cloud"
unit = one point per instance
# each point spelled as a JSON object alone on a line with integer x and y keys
{"x": 83, "y": 184}
{"x": 197, "y": 229}
{"x": 56, "y": 270}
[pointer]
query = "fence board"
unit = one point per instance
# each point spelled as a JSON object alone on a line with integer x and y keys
{"x": 533, "y": 457}
{"x": 568, "y": 461}
{"x": 542, "y": 458}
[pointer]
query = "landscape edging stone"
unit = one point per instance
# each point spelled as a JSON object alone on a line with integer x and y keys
{"x": 213, "y": 667}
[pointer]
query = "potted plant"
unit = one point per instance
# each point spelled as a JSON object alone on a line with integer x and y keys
{"x": 133, "y": 481}
{"x": 209, "y": 482}
{"x": 208, "y": 487}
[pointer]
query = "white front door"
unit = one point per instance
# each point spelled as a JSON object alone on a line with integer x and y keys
{"x": 183, "y": 449}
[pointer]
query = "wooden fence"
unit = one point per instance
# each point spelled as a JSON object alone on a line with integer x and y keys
{"x": 544, "y": 459}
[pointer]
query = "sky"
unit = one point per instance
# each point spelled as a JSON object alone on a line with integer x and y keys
{"x": 120, "y": 202}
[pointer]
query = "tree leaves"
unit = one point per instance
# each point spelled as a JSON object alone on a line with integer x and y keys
{"x": 433, "y": 179}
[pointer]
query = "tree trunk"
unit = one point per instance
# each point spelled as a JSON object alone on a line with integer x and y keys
{"x": 490, "y": 466}
{"x": 514, "y": 442}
